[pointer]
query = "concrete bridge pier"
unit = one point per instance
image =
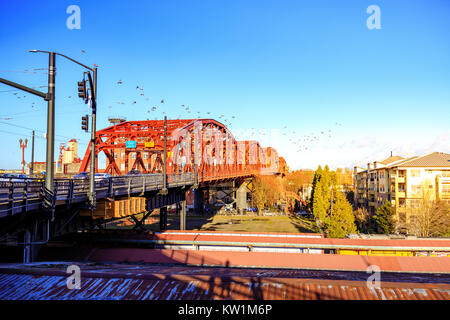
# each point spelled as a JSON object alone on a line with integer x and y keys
{"x": 182, "y": 212}
{"x": 34, "y": 236}
{"x": 198, "y": 201}
{"x": 163, "y": 218}
{"x": 241, "y": 196}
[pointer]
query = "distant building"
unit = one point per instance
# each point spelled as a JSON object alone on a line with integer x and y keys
{"x": 403, "y": 182}
{"x": 68, "y": 162}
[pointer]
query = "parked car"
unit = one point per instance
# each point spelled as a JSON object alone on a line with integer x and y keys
{"x": 102, "y": 176}
{"x": 81, "y": 175}
{"x": 14, "y": 177}
{"x": 134, "y": 172}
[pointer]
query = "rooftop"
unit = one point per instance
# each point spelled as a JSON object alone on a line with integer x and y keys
{"x": 47, "y": 281}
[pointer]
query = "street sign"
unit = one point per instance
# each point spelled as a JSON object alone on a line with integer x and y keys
{"x": 130, "y": 144}
{"x": 149, "y": 144}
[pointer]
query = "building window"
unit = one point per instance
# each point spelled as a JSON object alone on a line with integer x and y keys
{"x": 414, "y": 203}
{"x": 446, "y": 173}
{"x": 416, "y": 188}
{"x": 145, "y": 155}
{"x": 415, "y": 173}
{"x": 133, "y": 155}
{"x": 445, "y": 188}
{"x": 122, "y": 166}
{"x": 122, "y": 156}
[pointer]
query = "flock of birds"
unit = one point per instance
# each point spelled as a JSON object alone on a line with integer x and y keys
{"x": 185, "y": 108}
{"x": 301, "y": 142}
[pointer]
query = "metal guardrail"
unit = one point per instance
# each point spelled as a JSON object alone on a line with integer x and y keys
{"x": 310, "y": 246}
{"x": 18, "y": 196}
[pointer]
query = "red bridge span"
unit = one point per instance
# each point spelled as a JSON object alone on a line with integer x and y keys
{"x": 203, "y": 143}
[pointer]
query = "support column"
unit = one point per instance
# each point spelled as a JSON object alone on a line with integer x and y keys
{"x": 241, "y": 198}
{"x": 183, "y": 215}
{"x": 163, "y": 218}
{"x": 27, "y": 246}
{"x": 198, "y": 201}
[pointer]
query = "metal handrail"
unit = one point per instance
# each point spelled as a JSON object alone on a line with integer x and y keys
{"x": 282, "y": 245}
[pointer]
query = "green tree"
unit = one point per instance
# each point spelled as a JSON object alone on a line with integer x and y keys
{"x": 340, "y": 220}
{"x": 317, "y": 177}
{"x": 363, "y": 220}
{"x": 384, "y": 218}
{"x": 319, "y": 205}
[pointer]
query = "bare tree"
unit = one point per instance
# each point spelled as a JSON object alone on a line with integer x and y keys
{"x": 429, "y": 217}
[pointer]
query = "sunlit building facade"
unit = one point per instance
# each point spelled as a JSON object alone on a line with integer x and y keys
{"x": 405, "y": 183}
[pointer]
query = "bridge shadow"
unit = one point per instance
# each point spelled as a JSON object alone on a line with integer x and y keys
{"x": 186, "y": 275}
{"x": 303, "y": 225}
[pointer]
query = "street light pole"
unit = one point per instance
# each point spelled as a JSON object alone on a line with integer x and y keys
{"x": 51, "y": 122}
{"x": 164, "y": 189}
{"x": 32, "y": 155}
{"x": 92, "y": 195}
{"x": 50, "y": 153}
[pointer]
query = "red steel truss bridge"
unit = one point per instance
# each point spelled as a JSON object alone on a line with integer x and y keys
{"x": 173, "y": 157}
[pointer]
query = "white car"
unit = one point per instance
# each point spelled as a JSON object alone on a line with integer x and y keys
{"x": 101, "y": 176}
{"x": 14, "y": 177}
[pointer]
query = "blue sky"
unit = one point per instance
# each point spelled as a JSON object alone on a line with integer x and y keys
{"x": 293, "y": 69}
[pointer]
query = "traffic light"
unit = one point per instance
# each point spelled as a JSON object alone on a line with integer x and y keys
{"x": 84, "y": 123}
{"x": 82, "y": 91}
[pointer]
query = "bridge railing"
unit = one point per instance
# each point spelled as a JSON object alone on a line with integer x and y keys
{"x": 25, "y": 195}
{"x": 19, "y": 195}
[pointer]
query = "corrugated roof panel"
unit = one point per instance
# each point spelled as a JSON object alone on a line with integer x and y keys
{"x": 122, "y": 282}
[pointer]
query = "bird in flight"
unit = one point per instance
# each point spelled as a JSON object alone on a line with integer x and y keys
{"x": 162, "y": 101}
{"x": 82, "y": 51}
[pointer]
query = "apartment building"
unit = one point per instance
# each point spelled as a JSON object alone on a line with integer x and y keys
{"x": 404, "y": 182}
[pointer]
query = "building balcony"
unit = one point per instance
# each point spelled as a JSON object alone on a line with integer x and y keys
{"x": 401, "y": 194}
{"x": 372, "y": 204}
{"x": 398, "y": 179}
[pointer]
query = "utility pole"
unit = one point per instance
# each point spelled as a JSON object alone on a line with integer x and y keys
{"x": 92, "y": 195}
{"x": 23, "y": 146}
{"x": 50, "y": 154}
{"x": 32, "y": 155}
{"x": 50, "y": 97}
{"x": 164, "y": 189}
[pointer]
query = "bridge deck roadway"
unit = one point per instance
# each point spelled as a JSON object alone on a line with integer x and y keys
{"x": 17, "y": 196}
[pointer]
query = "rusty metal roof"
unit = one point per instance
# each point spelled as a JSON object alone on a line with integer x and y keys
{"x": 139, "y": 282}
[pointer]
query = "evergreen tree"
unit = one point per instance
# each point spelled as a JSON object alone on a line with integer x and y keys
{"x": 319, "y": 204}
{"x": 384, "y": 218}
{"x": 317, "y": 176}
{"x": 340, "y": 220}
